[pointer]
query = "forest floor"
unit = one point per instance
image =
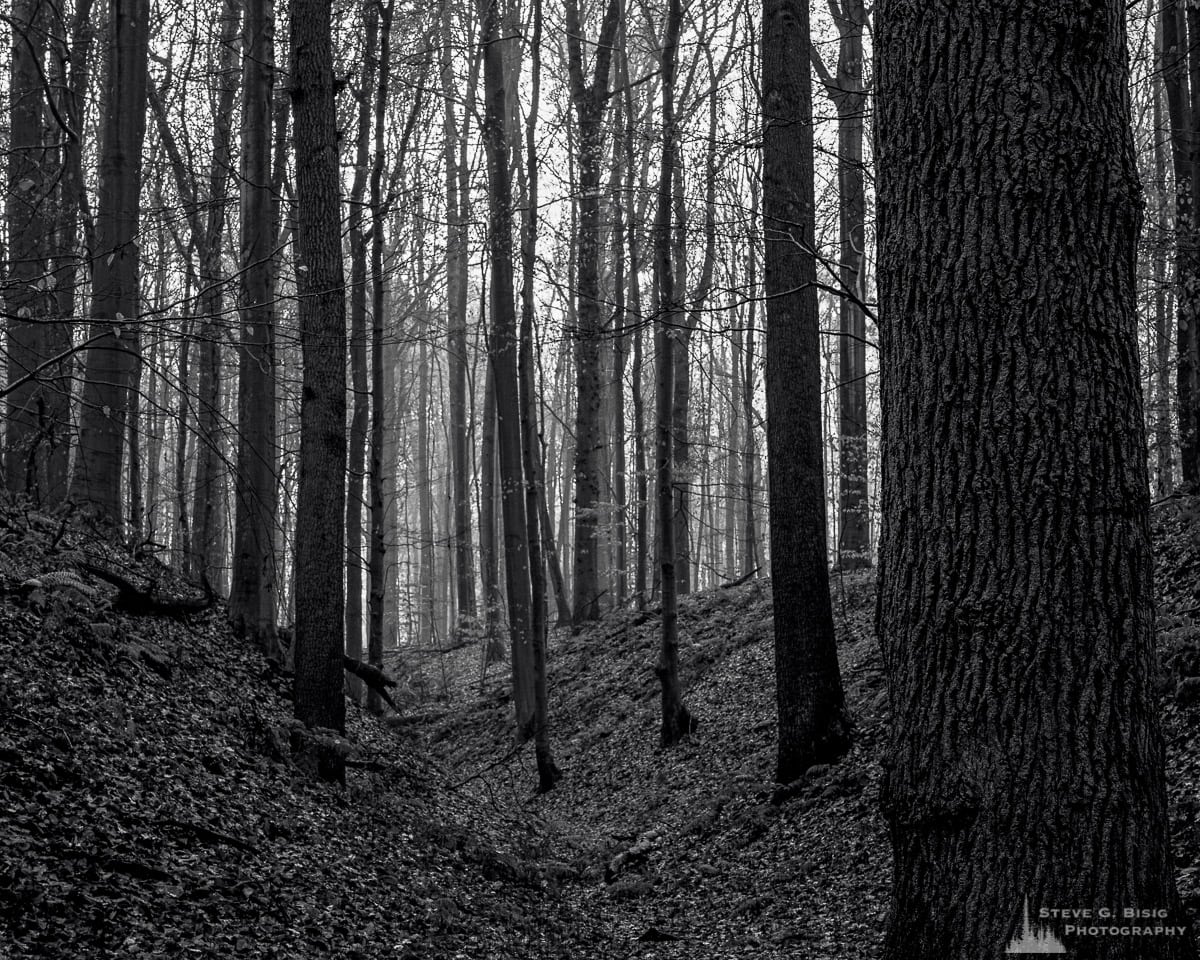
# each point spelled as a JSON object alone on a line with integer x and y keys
{"x": 150, "y": 807}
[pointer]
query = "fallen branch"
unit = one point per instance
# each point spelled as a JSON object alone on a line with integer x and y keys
{"x": 139, "y": 602}
{"x": 373, "y": 677}
{"x": 208, "y": 835}
{"x": 740, "y": 580}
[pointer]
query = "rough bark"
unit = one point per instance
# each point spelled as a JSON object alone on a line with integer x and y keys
{"x": 321, "y": 500}
{"x": 1016, "y": 583}
{"x": 813, "y": 724}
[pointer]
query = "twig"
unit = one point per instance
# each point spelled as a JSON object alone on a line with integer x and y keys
{"x": 491, "y": 766}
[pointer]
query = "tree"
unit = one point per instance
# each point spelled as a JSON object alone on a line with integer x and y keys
{"x": 381, "y": 464}
{"x": 96, "y": 480}
{"x": 590, "y": 99}
{"x": 321, "y": 498}
{"x": 358, "y": 349}
{"x": 457, "y": 213}
{"x": 252, "y": 594}
{"x": 677, "y": 721}
{"x": 849, "y": 96}
{"x": 1184, "y": 121}
{"x": 1016, "y": 584}
{"x": 502, "y": 351}
{"x": 35, "y": 447}
{"x": 813, "y": 724}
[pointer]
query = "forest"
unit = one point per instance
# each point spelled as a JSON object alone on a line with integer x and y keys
{"x": 599, "y": 478}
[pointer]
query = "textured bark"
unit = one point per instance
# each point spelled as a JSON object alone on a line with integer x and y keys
{"x": 96, "y": 480}
{"x": 813, "y": 724}
{"x": 320, "y": 510}
{"x": 590, "y": 99}
{"x": 677, "y": 722}
{"x": 502, "y": 348}
{"x": 252, "y": 597}
{"x": 1016, "y": 585}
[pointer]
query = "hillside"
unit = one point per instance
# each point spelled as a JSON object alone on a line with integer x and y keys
{"x": 149, "y": 806}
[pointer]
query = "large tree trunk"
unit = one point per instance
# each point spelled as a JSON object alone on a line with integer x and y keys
{"x": 813, "y": 724}
{"x": 96, "y": 480}
{"x": 320, "y": 511}
{"x": 252, "y": 597}
{"x": 502, "y": 349}
{"x": 1016, "y": 583}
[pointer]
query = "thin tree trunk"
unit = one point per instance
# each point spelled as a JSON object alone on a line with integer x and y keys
{"x": 361, "y": 404}
{"x": 813, "y": 724}
{"x": 677, "y": 722}
{"x": 252, "y": 597}
{"x": 590, "y": 100}
{"x": 382, "y": 468}
{"x": 1187, "y": 234}
{"x": 503, "y": 345}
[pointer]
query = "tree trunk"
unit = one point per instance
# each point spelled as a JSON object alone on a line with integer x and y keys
{"x": 1187, "y": 243}
{"x": 590, "y": 100}
{"x": 1016, "y": 589}
{"x": 503, "y": 352}
{"x": 813, "y": 724}
{"x": 850, "y": 100}
{"x": 96, "y": 480}
{"x": 252, "y": 598}
{"x": 531, "y": 451}
{"x": 1163, "y": 449}
{"x": 381, "y": 467}
{"x": 488, "y": 553}
{"x": 321, "y": 501}
{"x": 456, "y": 303}
{"x": 360, "y": 408}
{"x": 677, "y": 722}
{"x": 35, "y": 425}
